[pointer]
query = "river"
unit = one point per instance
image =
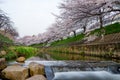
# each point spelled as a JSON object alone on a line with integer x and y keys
{"x": 75, "y": 63}
{"x": 73, "y": 56}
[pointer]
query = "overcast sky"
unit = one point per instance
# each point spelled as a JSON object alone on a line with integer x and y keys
{"x": 30, "y": 17}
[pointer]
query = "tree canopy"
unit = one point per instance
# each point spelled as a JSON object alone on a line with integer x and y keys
{"x": 6, "y": 25}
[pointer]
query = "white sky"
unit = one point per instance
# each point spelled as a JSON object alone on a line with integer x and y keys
{"x": 30, "y": 17}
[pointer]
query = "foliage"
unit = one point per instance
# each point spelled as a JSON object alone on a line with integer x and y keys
{"x": 25, "y": 51}
{"x": 5, "y": 39}
{"x": 6, "y": 25}
{"x": 4, "y": 42}
{"x": 10, "y": 55}
{"x": 17, "y": 51}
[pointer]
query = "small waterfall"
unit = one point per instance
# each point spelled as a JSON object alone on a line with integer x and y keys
{"x": 101, "y": 70}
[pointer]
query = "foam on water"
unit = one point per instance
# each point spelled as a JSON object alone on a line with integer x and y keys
{"x": 86, "y": 75}
{"x": 46, "y": 63}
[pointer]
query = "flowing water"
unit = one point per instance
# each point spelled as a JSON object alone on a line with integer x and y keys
{"x": 78, "y": 67}
{"x": 86, "y": 75}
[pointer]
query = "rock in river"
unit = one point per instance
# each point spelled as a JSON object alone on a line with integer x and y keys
{"x": 36, "y": 69}
{"x": 20, "y": 59}
{"x": 15, "y": 73}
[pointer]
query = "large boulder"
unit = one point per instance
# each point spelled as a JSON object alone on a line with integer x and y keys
{"x": 20, "y": 59}
{"x": 36, "y": 68}
{"x": 3, "y": 64}
{"x": 37, "y": 77}
{"x": 15, "y": 73}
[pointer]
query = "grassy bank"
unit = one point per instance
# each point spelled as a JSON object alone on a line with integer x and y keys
{"x": 17, "y": 51}
{"x": 68, "y": 40}
{"x": 109, "y": 29}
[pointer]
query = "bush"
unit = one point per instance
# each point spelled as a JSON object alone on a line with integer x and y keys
{"x": 10, "y": 55}
{"x": 25, "y": 51}
{"x": 17, "y": 51}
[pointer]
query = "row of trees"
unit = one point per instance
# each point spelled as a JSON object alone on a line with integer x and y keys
{"x": 6, "y": 25}
{"x": 80, "y": 15}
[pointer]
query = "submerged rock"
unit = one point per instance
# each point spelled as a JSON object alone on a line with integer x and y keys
{"x": 37, "y": 77}
{"x": 36, "y": 69}
{"x": 15, "y": 73}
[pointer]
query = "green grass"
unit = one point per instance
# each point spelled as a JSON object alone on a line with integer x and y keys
{"x": 113, "y": 28}
{"x": 10, "y": 55}
{"x": 68, "y": 40}
{"x": 109, "y": 29}
{"x": 17, "y": 51}
{"x": 26, "y": 51}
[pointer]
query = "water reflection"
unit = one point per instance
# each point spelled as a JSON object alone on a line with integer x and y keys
{"x": 73, "y": 56}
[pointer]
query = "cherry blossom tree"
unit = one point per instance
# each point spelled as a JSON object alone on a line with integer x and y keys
{"x": 80, "y": 11}
{"x": 7, "y": 25}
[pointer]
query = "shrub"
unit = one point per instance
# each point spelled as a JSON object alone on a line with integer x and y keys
{"x": 10, "y": 55}
{"x": 16, "y": 51}
{"x": 25, "y": 51}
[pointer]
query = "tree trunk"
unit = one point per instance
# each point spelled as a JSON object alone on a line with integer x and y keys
{"x": 61, "y": 38}
{"x": 84, "y": 29}
{"x": 101, "y": 22}
{"x": 74, "y": 33}
{"x": 102, "y": 31}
